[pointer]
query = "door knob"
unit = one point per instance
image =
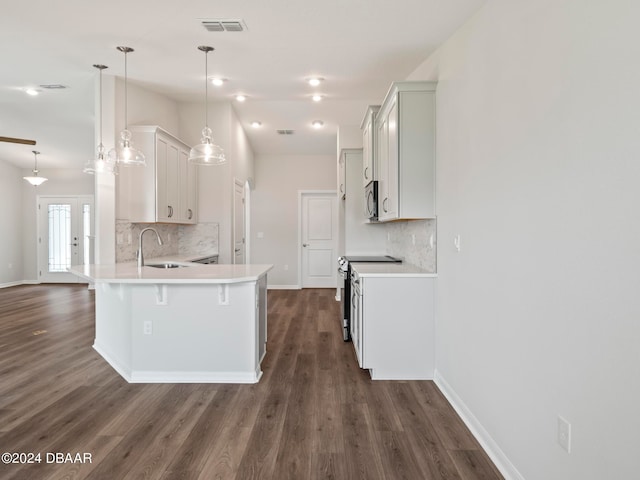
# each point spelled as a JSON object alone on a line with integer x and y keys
{"x": 305, "y": 244}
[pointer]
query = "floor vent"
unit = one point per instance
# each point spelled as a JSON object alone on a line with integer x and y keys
{"x": 229, "y": 25}
{"x": 285, "y": 132}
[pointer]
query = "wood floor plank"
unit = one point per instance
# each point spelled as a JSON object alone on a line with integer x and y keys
{"x": 473, "y": 464}
{"x": 314, "y": 415}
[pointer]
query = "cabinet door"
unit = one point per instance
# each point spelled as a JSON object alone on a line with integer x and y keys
{"x": 173, "y": 182}
{"x": 342, "y": 175}
{"x": 162, "y": 200}
{"x": 367, "y": 154}
{"x": 356, "y": 324}
{"x": 188, "y": 189}
{"x": 391, "y": 207}
{"x": 382, "y": 161}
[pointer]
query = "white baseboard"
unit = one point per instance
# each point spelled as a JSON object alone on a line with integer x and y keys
{"x": 500, "y": 460}
{"x": 31, "y": 282}
{"x": 194, "y": 377}
{"x": 142, "y": 376}
{"x": 283, "y": 287}
{"x": 10, "y": 284}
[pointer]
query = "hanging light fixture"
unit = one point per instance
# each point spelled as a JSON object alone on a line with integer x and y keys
{"x": 101, "y": 162}
{"x": 207, "y": 153}
{"x": 35, "y": 180}
{"x": 125, "y": 153}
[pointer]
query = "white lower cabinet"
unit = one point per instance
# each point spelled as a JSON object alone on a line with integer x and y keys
{"x": 392, "y": 323}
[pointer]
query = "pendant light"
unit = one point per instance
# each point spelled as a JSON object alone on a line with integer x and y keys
{"x": 35, "y": 180}
{"x": 101, "y": 162}
{"x": 207, "y": 153}
{"x": 125, "y": 153}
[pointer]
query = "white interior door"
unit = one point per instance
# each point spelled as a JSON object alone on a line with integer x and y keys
{"x": 319, "y": 236}
{"x": 65, "y": 236}
{"x": 238, "y": 223}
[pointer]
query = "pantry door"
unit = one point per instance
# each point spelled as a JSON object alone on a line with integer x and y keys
{"x": 65, "y": 236}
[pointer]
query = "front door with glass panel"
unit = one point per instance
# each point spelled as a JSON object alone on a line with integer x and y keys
{"x": 65, "y": 236}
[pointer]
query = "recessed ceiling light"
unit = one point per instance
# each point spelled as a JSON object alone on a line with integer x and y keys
{"x": 256, "y": 124}
{"x": 315, "y": 81}
{"x": 241, "y": 98}
{"x": 32, "y": 91}
{"x": 218, "y": 82}
{"x": 317, "y": 124}
{"x": 317, "y": 97}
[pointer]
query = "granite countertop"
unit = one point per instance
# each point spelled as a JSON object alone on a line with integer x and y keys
{"x": 390, "y": 270}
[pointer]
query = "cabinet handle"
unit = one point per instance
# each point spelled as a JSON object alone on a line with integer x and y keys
{"x": 384, "y": 204}
{"x": 366, "y": 175}
{"x": 170, "y": 211}
{"x": 190, "y": 216}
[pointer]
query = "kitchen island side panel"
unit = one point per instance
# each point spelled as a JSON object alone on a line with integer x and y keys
{"x": 113, "y": 324}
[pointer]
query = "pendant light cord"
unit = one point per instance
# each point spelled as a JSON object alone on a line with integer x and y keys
{"x": 125, "y": 90}
{"x": 206, "y": 89}
{"x": 100, "y": 106}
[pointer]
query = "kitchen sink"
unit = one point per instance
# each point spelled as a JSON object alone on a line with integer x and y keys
{"x": 166, "y": 265}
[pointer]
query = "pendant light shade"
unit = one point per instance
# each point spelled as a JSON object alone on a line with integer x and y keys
{"x": 35, "y": 180}
{"x": 125, "y": 153}
{"x": 207, "y": 152}
{"x": 101, "y": 162}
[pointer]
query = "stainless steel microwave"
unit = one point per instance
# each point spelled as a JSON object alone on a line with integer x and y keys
{"x": 371, "y": 201}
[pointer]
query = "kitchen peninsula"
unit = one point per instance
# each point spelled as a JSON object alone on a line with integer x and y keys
{"x": 189, "y": 323}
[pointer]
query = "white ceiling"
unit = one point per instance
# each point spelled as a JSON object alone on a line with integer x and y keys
{"x": 358, "y": 46}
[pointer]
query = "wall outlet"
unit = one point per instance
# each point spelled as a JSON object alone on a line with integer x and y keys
{"x": 456, "y": 242}
{"x": 564, "y": 434}
{"x": 223, "y": 294}
{"x": 147, "y": 327}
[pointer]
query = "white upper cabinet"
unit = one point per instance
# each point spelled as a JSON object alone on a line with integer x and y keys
{"x": 405, "y": 152}
{"x": 368, "y": 144}
{"x": 165, "y": 190}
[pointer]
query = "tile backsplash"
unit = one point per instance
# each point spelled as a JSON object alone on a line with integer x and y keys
{"x": 400, "y": 242}
{"x": 177, "y": 239}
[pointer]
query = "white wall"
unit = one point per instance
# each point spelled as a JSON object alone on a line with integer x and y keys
{"x": 274, "y": 209}
{"x": 215, "y": 186}
{"x": 61, "y": 182}
{"x": 11, "y": 181}
{"x": 538, "y": 171}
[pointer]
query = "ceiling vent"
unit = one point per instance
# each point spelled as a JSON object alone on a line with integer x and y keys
{"x": 285, "y": 132}
{"x": 228, "y": 25}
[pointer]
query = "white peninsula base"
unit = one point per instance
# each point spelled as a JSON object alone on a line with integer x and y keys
{"x": 168, "y": 331}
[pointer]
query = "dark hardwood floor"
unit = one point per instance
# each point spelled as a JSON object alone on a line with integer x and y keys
{"x": 313, "y": 415}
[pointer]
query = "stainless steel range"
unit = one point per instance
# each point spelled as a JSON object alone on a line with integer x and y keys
{"x": 344, "y": 270}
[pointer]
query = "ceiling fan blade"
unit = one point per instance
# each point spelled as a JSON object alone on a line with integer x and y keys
{"x": 17, "y": 140}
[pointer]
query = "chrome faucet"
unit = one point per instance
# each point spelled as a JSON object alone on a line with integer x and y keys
{"x": 139, "y": 255}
